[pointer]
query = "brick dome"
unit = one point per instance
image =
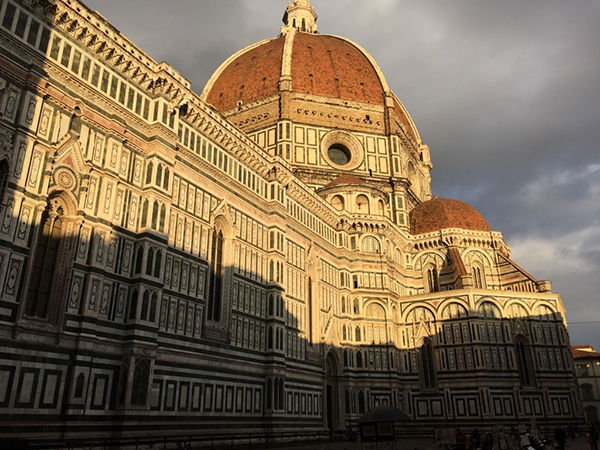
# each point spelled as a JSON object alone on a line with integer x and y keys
{"x": 439, "y": 213}
{"x": 302, "y": 62}
{"x": 318, "y": 64}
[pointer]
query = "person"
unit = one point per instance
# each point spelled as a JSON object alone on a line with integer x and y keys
{"x": 461, "y": 440}
{"x": 475, "y": 439}
{"x": 593, "y": 437}
{"x": 560, "y": 436}
{"x": 488, "y": 442}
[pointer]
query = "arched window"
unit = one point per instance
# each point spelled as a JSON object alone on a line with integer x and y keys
{"x": 587, "y": 392}
{"x": 271, "y": 305}
{"x": 524, "y": 362}
{"x": 155, "y": 215}
{"x": 380, "y": 208}
{"x": 343, "y": 304}
{"x": 428, "y": 379}
{"x": 153, "y": 305}
{"x": 356, "y": 306}
{"x": 544, "y": 312}
{"x": 159, "y": 175}
{"x": 166, "y": 181}
{"x": 303, "y": 24}
{"x": 375, "y": 312}
{"x": 431, "y": 279}
{"x": 362, "y": 204}
{"x": 370, "y": 244}
{"x": 216, "y": 277}
{"x": 516, "y": 310}
{"x": 149, "y": 172}
{"x": 144, "y": 218}
{"x": 141, "y": 382}
{"x": 139, "y": 257}
{"x": 478, "y": 276}
{"x": 345, "y": 355}
{"x": 157, "y": 263}
{"x": 270, "y": 337}
{"x": 361, "y": 402}
{"x": 454, "y": 311}
{"x": 45, "y": 258}
{"x": 133, "y": 305}
{"x": 488, "y": 309}
{"x": 419, "y": 314}
{"x": 145, "y": 305}
{"x": 163, "y": 213}
{"x": 357, "y": 334}
{"x": 150, "y": 261}
{"x": 338, "y": 202}
{"x": 359, "y": 359}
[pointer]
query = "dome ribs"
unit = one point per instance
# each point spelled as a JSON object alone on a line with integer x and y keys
{"x": 441, "y": 213}
{"x": 239, "y": 80}
{"x": 331, "y": 67}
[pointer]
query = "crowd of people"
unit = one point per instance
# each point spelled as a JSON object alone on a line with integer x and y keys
{"x": 531, "y": 439}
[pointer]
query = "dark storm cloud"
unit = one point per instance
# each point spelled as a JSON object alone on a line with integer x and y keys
{"x": 505, "y": 93}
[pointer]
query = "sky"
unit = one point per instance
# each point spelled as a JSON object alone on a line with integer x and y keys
{"x": 506, "y": 94}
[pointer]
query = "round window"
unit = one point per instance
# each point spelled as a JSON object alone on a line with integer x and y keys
{"x": 339, "y": 154}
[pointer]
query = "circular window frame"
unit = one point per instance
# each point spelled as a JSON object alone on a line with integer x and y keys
{"x": 347, "y": 140}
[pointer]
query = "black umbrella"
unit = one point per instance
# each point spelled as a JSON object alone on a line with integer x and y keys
{"x": 384, "y": 414}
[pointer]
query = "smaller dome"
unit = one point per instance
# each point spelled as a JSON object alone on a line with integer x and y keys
{"x": 439, "y": 213}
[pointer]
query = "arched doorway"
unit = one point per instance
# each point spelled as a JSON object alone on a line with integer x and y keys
{"x": 332, "y": 396}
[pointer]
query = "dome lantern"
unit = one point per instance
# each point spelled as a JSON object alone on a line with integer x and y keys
{"x": 301, "y": 16}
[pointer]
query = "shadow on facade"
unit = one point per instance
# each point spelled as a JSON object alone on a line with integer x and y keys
{"x": 128, "y": 315}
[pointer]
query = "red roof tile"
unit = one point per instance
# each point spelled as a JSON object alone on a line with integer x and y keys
{"x": 439, "y": 213}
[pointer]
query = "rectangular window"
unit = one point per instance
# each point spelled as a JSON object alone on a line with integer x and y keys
{"x": 9, "y": 16}
{"x": 180, "y": 132}
{"x": 130, "y": 99}
{"x": 21, "y": 24}
{"x": 172, "y": 121}
{"x": 287, "y": 130}
{"x": 155, "y": 115}
{"x": 104, "y": 86}
{"x": 192, "y": 140}
{"x": 138, "y": 104}
{"x": 114, "y": 84}
{"x": 76, "y": 61}
{"x": 164, "y": 114}
{"x": 44, "y": 40}
{"x": 186, "y": 137}
{"x": 55, "y": 48}
{"x": 122, "y": 93}
{"x": 146, "y": 108}
{"x": 95, "y": 75}
{"x": 85, "y": 71}
{"x": 66, "y": 55}
{"x": 34, "y": 27}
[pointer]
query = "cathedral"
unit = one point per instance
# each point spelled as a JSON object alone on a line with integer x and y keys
{"x": 266, "y": 257}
